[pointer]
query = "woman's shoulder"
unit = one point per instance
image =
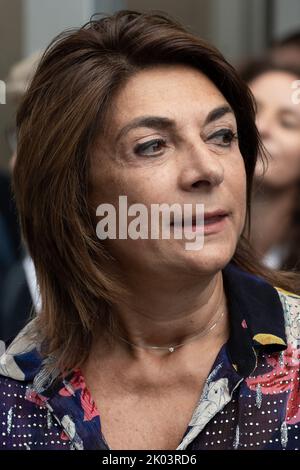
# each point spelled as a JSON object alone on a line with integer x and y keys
{"x": 20, "y": 418}
{"x": 26, "y": 422}
{"x": 14, "y": 397}
{"x": 290, "y": 301}
{"x": 291, "y": 309}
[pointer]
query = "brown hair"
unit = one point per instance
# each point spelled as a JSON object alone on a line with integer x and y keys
{"x": 249, "y": 72}
{"x": 59, "y": 119}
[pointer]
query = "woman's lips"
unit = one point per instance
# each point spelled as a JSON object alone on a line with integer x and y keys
{"x": 215, "y": 224}
{"x": 212, "y": 224}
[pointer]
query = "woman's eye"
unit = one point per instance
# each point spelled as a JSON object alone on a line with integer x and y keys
{"x": 223, "y": 137}
{"x": 289, "y": 124}
{"x": 150, "y": 148}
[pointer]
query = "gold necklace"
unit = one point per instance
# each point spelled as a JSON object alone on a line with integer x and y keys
{"x": 176, "y": 346}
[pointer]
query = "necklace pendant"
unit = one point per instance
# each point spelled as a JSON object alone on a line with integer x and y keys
{"x": 171, "y": 349}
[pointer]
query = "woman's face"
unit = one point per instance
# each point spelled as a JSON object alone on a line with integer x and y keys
{"x": 186, "y": 152}
{"x": 278, "y": 121}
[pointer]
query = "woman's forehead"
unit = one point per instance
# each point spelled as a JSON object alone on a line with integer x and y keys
{"x": 176, "y": 92}
{"x": 275, "y": 87}
{"x": 161, "y": 84}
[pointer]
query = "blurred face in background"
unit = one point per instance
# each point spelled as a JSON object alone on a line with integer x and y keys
{"x": 278, "y": 121}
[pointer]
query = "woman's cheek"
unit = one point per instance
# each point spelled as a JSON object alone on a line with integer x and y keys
{"x": 293, "y": 153}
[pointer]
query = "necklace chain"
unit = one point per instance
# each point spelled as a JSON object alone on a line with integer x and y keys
{"x": 172, "y": 348}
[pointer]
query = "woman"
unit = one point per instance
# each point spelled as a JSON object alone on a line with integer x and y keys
{"x": 276, "y": 208}
{"x": 141, "y": 343}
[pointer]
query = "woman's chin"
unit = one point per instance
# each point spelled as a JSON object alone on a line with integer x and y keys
{"x": 209, "y": 259}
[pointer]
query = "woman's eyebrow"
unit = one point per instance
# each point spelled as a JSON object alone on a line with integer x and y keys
{"x": 164, "y": 123}
{"x": 217, "y": 113}
{"x": 154, "y": 122}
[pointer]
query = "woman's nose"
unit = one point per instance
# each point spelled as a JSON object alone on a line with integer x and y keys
{"x": 201, "y": 168}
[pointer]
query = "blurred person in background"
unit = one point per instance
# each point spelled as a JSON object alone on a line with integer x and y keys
{"x": 18, "y": 289}
{"x": 275, "y": 215}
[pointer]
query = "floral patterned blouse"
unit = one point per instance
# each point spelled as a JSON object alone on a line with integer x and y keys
{"x": 251, "y": 398}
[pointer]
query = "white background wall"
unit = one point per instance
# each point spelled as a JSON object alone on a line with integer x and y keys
{"x": 44, "y": 19}
{"x": 287, "y": 16}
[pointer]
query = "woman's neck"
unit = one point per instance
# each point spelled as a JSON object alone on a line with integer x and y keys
{"x": 271, "y": 216}
{"x": 166, "y": 314}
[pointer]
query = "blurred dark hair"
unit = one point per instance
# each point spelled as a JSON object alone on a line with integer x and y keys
{"x": 286, "y": 50}
{"x": 63, "y": 112}
{"x": 291, "y": 39}
{"x": 256, "y": 67}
